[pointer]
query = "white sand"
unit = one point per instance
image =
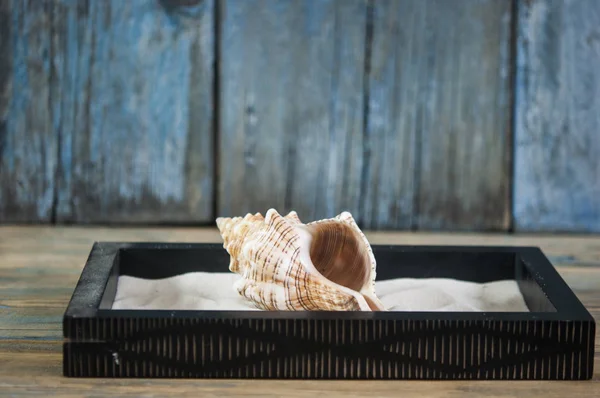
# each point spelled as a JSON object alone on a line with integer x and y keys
{"x": 214, "y": 291}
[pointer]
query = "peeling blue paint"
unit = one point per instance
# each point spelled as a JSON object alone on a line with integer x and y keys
{"x": 557, "y": 140}
{"x": 29, "y": 155}
{"x": 125, "y": 81}
{"x": 126, "y": 87}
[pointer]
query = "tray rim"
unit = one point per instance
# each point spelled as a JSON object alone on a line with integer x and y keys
{"x": 87, "y": 295}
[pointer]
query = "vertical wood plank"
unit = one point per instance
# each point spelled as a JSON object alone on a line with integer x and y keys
{"x": 133, "y": 107}
{"x": 291, "y": 106}
{"x": 557, "y": 154}
{"x": 439, "y": 115}
{"x": 28, "y": 147}
{"x": 390, "y": 158}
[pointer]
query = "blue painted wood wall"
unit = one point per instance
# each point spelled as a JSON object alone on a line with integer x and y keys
{"x": 411, "y": 114}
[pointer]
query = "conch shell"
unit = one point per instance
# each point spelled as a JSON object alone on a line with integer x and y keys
{"x": 284, "y": 264}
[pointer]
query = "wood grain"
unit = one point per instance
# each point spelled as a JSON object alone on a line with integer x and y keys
{"x": 28, "y": 144}
{"x": 291, "y": 107}
{"x": 438, "y": 131}
{"x": 133, "y": 109}
{"x": 557, "y": 162}
{"x": 397, "y": 111}
{"x": 31, "y": 357}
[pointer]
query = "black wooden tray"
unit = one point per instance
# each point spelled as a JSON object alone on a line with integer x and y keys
{"x": 553, "y": 341}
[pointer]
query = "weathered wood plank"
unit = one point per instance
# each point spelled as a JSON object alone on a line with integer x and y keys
{"x": 439, "y": 115}
{"x": 291, "y": 106}
{"x": 28, "y": 146}
{"x": 31, "y": 318}
{"x": 133, "y": 85}
{"x": 389, "y": 184}
{"x": 557, "y": 154}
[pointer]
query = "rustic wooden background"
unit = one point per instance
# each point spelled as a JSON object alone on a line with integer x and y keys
{"x": 411, "y": 114}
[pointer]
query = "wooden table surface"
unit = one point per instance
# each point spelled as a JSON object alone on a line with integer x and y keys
{"x": 39, "y": 267}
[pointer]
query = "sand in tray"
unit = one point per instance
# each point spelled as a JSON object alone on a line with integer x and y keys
{"x": 214, "y": 291}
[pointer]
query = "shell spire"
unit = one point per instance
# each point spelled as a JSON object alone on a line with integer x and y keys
{"x": 287, "y": 265}
{"x": 234, "y": 231}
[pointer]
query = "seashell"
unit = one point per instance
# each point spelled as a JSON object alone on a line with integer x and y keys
{"x": 287, "y": 265}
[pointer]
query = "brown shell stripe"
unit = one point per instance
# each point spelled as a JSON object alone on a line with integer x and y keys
{"x": 291, "y": 241}
{"x": 281, "y": 229}
{"x": 287, "y": 280}
{"x": 275, "y": 222}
